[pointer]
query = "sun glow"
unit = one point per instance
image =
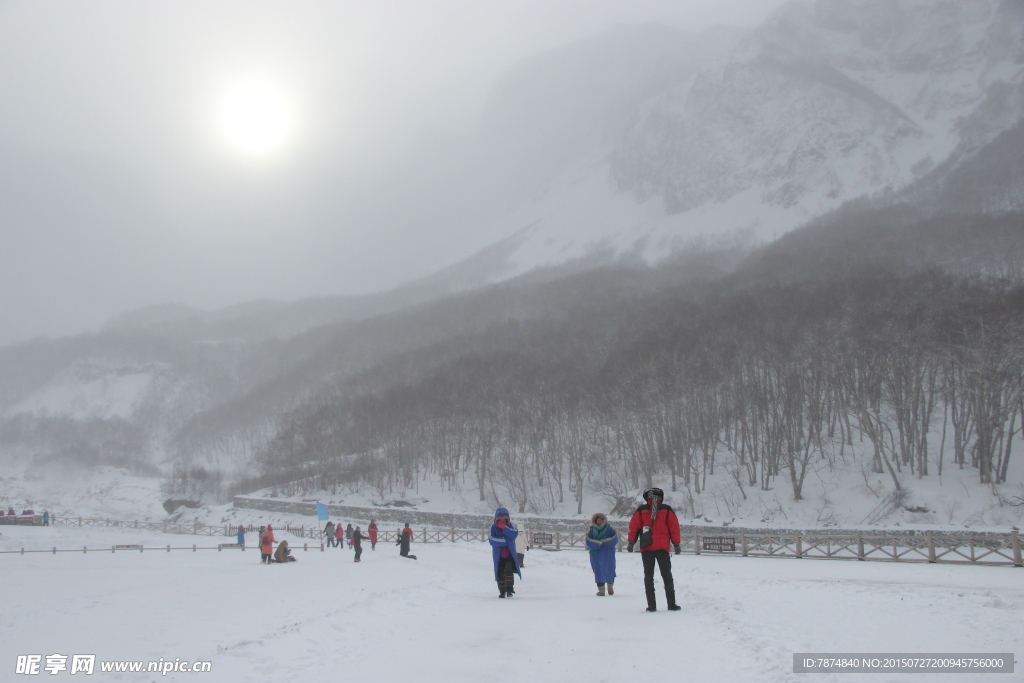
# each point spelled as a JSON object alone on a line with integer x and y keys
{"x": 256, "y": 118}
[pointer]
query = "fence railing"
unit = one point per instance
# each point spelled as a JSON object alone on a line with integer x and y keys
{"x": 944, "y": 549}
{"x": 991, "y": 549}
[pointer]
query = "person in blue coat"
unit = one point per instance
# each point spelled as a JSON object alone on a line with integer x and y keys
{"x": 503, "y": 551}
{"x": 601, "y": 542}
{"x": 241, "y": 535}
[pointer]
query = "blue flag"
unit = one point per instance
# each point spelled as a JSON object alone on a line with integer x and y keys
{"x": 321, "y": 511}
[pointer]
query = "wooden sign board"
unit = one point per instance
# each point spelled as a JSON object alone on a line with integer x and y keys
{"x": 719, "y": 543}
{"x": 543, "y": 539}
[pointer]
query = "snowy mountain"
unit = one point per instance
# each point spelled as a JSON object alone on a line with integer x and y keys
{"x": 825, "y": 102}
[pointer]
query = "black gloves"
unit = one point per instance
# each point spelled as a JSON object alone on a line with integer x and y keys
{"x": 629, "y": 546}
{"x": 675, "y": 546}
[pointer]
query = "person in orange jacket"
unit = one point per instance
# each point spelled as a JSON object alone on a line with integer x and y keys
{"x": 267, "y": 542}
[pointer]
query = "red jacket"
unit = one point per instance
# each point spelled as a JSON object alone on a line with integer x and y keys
{"x": 664, "y": 532}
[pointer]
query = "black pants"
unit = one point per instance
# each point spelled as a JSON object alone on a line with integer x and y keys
{"x": 359, "y": 551}
{"x": 664, "y": 561}
{"x": 265, "y": 558}
{"x": 506, "y": 575}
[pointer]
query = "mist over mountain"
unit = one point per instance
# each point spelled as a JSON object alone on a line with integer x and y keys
{"x": 666, "y": 221}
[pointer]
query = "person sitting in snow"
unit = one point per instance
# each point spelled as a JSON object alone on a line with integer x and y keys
{"x": 283, "y": 554}
{"x": 503, "y": 552}
{"x": 601, "y": 542}
{"x": 404, "y": 539}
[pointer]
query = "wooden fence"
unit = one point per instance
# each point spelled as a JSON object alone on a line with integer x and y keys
{"x": 932, "y": 548}
{"x": 992, "y": 549}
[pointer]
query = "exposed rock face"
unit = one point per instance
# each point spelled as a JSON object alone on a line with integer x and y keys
{"x": 831, "y": 99}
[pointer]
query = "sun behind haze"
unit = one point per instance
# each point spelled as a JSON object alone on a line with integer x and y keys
{"x": 256, "y": 118}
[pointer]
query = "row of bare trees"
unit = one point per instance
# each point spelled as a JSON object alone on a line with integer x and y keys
{"x": 914, "y": 374}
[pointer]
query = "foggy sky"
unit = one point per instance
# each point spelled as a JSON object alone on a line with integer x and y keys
{"x": 117, "y": 189}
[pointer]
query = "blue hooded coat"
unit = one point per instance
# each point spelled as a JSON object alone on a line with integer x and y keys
{"x": 602, "y": 553}
{"x": 241, "y": 536}
{"x": 504, "y": 538}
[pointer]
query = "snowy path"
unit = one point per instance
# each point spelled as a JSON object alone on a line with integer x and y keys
{"x": 326, "y": 618}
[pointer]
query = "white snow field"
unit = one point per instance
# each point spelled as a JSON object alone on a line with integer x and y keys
{"x": 325, "y": 618}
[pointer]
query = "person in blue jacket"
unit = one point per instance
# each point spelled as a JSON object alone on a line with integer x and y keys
{"x": 503, "y": 551}
{"x": 601, "y": 542}
{"x": 241, "y": 535}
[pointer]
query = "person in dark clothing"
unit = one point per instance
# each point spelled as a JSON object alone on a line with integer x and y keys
{"x": 357, "y": 543}
{"x": 348, "y": 534}
{"x": 372, "y": 531}
{"x": 404, "y": 539}
{"x": 503, "y": 552}
{"x": 655, "y": 526}
{"x": 329, "y": 533}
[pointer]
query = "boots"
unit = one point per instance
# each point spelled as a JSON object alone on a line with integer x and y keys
{"x": 611, "y": 589}
{"x": 600, "y": 589}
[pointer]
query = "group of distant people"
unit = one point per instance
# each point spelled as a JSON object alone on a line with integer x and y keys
{"x": 337, "y": 536}
{"x": 29, "y": 512}
{"x": 654, "y": 527}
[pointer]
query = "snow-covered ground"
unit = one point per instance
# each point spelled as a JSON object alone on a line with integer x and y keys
{"x": 325, "y": 618}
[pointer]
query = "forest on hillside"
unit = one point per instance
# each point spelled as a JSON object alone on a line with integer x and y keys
{"x": 882, "y": 331}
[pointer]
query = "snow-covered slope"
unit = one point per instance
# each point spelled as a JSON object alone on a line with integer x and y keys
{"x": 99, "y": 389}
{"x": 825, "y": 102}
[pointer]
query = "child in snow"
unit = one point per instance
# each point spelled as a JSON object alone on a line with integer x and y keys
{"x": 601, "y": 542}
{"x": 339, "y": 535}
{"x": 357, "y": 543}
{"x": 503, "y": 552}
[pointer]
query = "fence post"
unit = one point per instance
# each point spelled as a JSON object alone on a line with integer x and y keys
{"x": 860, "y": 546}
{"x": 931, "y": 548}
{"x": 165, "y": 526}
{"x": 558, "y": 540}
{"x": 696, "y": 543}
{"x": 971, "y": 540}
{"x": 79, "y": 521}
{"x": 136, "y": 524}
{"x": 799, "y": 546}
{"x": 168, "y": 547}
{"x": 453, "y": 534}
{"x": 743, "y": 540}
{"x": 305, "y": 547}
{"x": 54, "y": 550}
{"x": 321, "y": 546}
{"x": 112, "y": 549}
{"x": 193, "y": 547}
{"x": 1015, "y": 539}
{"x": 85, "y": 549}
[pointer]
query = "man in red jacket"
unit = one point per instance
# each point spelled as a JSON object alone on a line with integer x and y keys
{"x": 655, "y": 525}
